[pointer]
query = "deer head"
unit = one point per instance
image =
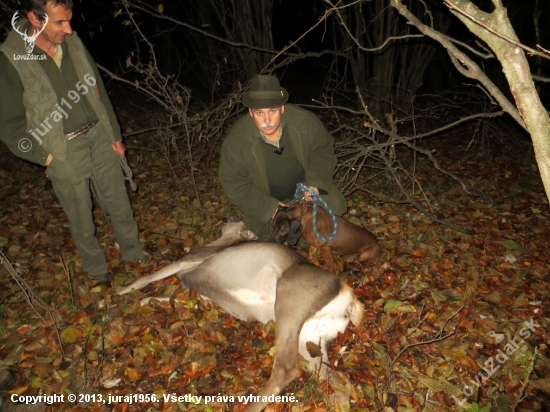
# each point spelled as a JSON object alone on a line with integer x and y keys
{"x": 29, "y": 40}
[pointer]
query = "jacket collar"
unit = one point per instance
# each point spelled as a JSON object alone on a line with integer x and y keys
{"x": 15, "y": 42}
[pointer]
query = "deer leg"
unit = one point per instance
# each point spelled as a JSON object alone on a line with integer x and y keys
{"x": 165, "y": 272}
{"x": 302, "y": 292}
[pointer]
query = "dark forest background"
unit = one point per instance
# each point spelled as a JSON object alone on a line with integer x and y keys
{"x": 438, "y": 109}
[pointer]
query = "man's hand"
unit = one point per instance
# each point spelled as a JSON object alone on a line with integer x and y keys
{"x": 119, "y": 148}
{"x": 307, "y": 195}
{"x": 276, "y": 210}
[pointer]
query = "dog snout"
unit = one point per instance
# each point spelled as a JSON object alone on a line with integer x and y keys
{"x": 280, "y": 232}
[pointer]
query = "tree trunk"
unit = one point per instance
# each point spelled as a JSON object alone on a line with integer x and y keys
{"x": 530, "y": 114}
{"x": 517, "y": 72}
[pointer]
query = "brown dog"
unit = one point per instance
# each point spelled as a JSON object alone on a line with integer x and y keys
{"x": 292, "y": 222}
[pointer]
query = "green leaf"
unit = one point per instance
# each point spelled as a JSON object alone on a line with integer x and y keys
{"x": 391, "y": 305}
{"x": 474, "y": 407}
{"x": 510, "y": 244}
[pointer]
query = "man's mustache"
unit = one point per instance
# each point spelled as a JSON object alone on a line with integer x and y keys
{"x": 264, "y": 125}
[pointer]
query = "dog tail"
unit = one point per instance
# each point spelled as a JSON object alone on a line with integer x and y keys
{"x": 169, "y": 270}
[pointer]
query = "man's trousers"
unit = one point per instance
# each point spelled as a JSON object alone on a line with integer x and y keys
{"x": 91, "y": 158}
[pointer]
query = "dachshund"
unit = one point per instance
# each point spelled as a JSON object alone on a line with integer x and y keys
{"x": 292, "y": 222}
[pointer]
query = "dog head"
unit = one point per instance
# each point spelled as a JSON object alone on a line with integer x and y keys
{"x": 286, "y": 226}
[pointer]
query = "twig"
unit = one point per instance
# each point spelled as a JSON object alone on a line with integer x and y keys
{"x": 401, "y": 139}
{"x": 354, "y": 39}
{"x": 520, "y": 396}
{"x": 469, "y": 189}
{"x": 438, "y": 338}
{"x": 151, "y": 129}
{"x": 541, "y": 78}
{"x": 397, "y": 180}
{"x": 68, "y": 273}
{"x": 32, "y": 300}
{"x": 450, "y": 317}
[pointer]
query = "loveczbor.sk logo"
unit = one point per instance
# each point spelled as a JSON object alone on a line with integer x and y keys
{"x": 28, "y": 39}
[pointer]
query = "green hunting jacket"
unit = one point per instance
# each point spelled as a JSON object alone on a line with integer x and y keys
{"x": 242, "y": 171}
{"x": 40, "y": 100}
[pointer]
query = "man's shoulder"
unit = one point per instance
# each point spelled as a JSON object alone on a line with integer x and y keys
{"x": 13, "y": 43}
{"x": 244, "y": 126}
{"x": 298, "y": 115}
{"x": 73, "y": 39}
{"x": 8, "y": 72}
{"x": 4, "y": 62}
{"x": 75, "y": 43}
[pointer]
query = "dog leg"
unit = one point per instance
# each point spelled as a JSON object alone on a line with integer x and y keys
{"x": 311, "y": 253}
{"x": 371, "y": 254}
{"x": 326, "y": 252}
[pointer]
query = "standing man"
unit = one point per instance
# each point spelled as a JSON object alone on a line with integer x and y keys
{"x": 268, "y": 152}
{"x": 54, "y": 111}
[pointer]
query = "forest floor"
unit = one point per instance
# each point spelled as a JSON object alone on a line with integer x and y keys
{"x": 452, "y": 321}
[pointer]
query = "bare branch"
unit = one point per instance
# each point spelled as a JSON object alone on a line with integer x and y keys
{"x": 154, "y": 12}
{"x": 534, "y": 52}
{"x": 438, "y": 338}
{"x": 487, "y": 55}
{"x": 402, "y": 139}
{"x": 336, "y": 9}
{"x": 470, "y": 69}
{"x": 134, "y": 85}
{"x": 468, "y": 188}
{"x": 33, "y": 300}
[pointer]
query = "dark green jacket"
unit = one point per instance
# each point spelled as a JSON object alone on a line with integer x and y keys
{"x": 242, "y": 171}
{"x": 28, "y": 98}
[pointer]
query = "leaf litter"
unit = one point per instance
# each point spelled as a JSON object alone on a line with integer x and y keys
{"x": 440, "y": 306}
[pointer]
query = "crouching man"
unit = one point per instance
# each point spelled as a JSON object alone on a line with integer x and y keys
{"x": 269, "y": 151}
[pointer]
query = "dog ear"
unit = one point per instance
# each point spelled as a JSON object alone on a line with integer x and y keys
{"x": 294, "y": 231}
{"x": 279, "y": 226}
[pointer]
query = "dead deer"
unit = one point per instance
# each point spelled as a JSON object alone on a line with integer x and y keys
{"x": 268, "y": 281}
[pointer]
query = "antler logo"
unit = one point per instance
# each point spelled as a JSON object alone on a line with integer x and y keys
{"x": 29, "y": 40}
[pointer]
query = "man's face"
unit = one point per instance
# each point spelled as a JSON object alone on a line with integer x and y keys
{"x": 268, "y": 120}
{"x": 59, "y": 23}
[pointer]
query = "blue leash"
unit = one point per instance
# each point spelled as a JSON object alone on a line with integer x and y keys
{"x": 300, "y": 187}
